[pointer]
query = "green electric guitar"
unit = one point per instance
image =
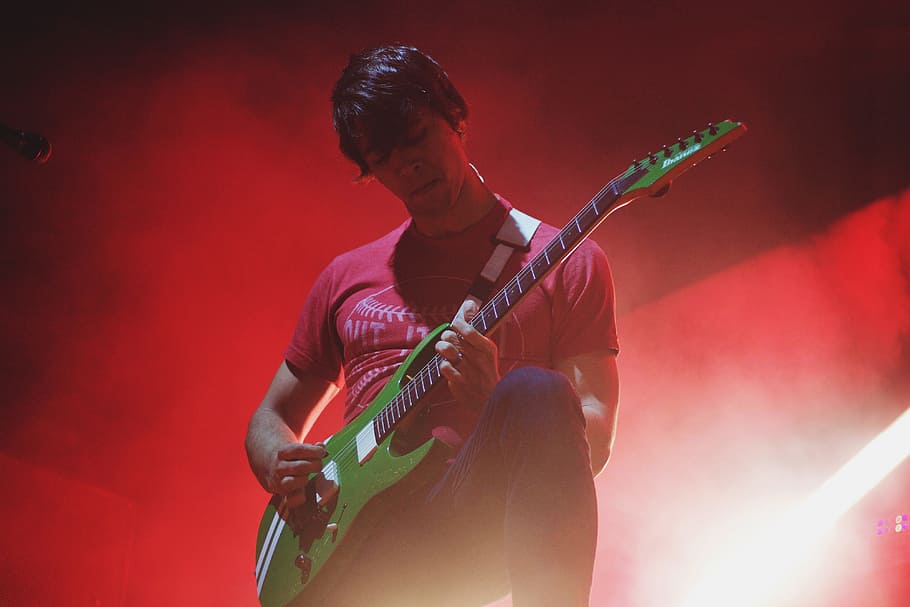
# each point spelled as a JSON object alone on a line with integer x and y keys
{"x": 294, "y": 547}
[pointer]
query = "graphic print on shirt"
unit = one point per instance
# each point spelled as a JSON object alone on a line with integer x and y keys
{"x": 382, "y": 329}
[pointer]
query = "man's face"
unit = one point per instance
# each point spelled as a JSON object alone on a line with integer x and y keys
{"x": 426, "y": 170}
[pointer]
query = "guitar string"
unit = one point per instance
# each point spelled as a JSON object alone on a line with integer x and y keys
{"x": 343, "y": 459}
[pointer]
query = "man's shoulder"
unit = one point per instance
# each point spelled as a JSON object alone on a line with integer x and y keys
{"x": 369, "y": 253}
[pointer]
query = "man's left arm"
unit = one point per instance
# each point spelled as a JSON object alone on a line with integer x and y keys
{"x": 596, "y": 380}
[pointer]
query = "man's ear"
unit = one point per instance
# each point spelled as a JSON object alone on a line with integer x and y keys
{"x": 461, "y": 127}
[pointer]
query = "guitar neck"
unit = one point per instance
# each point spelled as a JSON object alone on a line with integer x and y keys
{"x": 650, "y": 176}
{"x": 569, "y": 238}
{"x": 506, "y": 299}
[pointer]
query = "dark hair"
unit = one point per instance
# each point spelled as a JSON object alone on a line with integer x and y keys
{"x": 378, "y": 92}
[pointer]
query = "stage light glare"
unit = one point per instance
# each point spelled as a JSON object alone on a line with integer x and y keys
{"x": 761, "y": 564}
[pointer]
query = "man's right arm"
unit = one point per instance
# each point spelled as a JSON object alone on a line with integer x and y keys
{"x": 287, "y": 413}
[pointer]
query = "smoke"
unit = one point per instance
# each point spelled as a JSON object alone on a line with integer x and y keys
{"x": 745, "y": 391}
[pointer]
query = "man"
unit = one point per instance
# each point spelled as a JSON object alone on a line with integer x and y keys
{"x": 529, "y": 414}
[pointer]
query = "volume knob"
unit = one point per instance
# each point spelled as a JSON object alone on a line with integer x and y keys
{"x": 305, "y": 564}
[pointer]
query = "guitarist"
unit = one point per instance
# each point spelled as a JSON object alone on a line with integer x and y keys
{"x": 530, "y": 413}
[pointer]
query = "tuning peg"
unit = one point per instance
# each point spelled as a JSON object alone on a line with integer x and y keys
{"x": 667, "y": 152}
{"x": 697, "y": 137}
{"x": 652, "y": 158}
{"x": 712, "y": 130}
{"x": 682, "y": 144}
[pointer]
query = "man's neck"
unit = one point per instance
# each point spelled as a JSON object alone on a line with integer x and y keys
{"x": 472, "y": 204}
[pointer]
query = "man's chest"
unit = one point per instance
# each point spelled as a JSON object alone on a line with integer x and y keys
{"x": 382, "y": 315}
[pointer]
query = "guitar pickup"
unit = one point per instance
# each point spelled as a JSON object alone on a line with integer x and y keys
{"x": 366, "y": 442}
{"x": 326, "y": 483}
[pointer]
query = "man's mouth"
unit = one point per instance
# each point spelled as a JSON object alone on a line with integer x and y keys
{"x": 425, "y": 188}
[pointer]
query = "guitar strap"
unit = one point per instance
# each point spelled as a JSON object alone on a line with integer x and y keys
{"x": 515, "y": 234}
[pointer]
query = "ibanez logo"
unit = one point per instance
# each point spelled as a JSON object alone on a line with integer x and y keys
{"x": 683, "y": 154}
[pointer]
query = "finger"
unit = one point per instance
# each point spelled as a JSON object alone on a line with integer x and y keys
{"x": 289, "y": 484}
{"x": 298, "y": 498}
{"x": 450, "y": 336}
{"x": 466, "y": 331}
{"x": 451, "y": 373}
{"x": 298, "y": 467}
{"x": 449, "y": 351}
{"x": 301, "y": 451}
{"x": 467, "y": 310}
{"x": 474, "y": 341}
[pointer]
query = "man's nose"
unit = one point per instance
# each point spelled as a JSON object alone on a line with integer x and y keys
{"x": 409, "y": 164}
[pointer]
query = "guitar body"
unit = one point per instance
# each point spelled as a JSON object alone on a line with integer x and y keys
{"x": 292, "y": 547}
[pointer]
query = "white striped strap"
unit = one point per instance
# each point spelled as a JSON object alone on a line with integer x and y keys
{"x": 516, "y": 233}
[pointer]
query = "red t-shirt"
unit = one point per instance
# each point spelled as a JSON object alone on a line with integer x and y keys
{"x": 371, "y": 306}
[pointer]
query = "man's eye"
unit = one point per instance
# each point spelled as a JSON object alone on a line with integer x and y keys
{"x": 416, "y": 138}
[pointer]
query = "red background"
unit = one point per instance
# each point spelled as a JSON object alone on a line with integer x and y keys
{"x": 155, "y": 266}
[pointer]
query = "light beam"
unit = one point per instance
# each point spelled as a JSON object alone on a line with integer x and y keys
{"x": 758, "y": 568}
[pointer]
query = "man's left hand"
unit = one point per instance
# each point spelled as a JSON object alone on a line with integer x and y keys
{"x": 470, "y": 360}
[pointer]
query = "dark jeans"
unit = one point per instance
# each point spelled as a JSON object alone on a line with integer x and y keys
{"x": 515, "y": 510}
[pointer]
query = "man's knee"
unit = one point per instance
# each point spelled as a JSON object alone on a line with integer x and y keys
{"x": 537, "y": 396}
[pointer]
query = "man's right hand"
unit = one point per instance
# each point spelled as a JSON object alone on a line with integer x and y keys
{"x": 291, "y": 468}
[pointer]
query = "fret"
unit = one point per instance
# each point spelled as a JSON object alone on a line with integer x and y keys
{"x": 552, "y": 249}
{"x": 586, "y": 215}
{"x": 493, "y": 302}
{"x": 405, "y": 397}
{"x": 525, "y": 278}
{"x": 435, "y": 368}
{"x": 592, "y": 210}
{"x": 380, "y": 425}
